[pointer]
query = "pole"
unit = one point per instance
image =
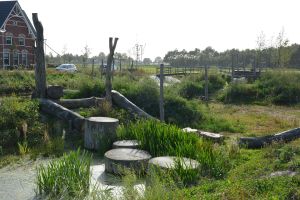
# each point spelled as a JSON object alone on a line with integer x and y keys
{"x": 93, "y": 62}
{"x": 206, "y": 84}
{"x": 161, "y": 97}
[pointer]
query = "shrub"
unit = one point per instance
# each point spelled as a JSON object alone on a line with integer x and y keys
{"x": 14, "y": 112}
{"x": 190, "y": 90}
{"x": 181, "y": 112}
{"x": 69, "y": 175}
{"x": 239, "y": 93}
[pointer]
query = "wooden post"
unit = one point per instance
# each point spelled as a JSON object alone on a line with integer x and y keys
{"x": 206, "y": 84}
{"x": 108, "y": 85}
{"x": 40, "y": 68}
{"x": 120, "y": 65}
{"x": 232, "y": 65}
{"x": 93, "y": 62}
{"x": 161, "y": 97}
{"x": 101, "y": 68}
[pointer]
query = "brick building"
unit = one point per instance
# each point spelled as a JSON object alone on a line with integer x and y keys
{"x": 17, "y": 36}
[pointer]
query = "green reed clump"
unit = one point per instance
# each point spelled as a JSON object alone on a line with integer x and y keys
{"x": 160, "y": 139}
{"x": 70, "y": 174}
{"x": 168, "y": 140}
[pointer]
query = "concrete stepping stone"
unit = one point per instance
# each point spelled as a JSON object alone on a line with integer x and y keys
{"x": 169, "y": 163}
{"x": 117, "y": 161}
{"x": 131, "y": 144}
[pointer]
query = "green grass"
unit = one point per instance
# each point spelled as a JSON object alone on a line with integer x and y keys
{"x": 68, "y": 175}
{"x": 168, "y": 140}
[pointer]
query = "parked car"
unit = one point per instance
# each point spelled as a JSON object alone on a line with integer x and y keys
{"x": 66, "y": 68}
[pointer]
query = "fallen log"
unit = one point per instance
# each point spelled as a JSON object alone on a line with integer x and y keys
{"x": 215, "y": 137}
{"x": 52, "y": 108}
{"x": 122, "y": 102}
{"x": 80, "y": 103}
{"x": 259, "y": 142}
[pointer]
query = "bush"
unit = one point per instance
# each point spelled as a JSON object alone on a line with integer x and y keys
{"x": 239, "y": 93}
{"x": 14, "y": 113}
{"x": 181, "y": 112}
{"x": 190, "y": 90}
{"x": 69, "y": 175}
{"x": 276, "y": 87}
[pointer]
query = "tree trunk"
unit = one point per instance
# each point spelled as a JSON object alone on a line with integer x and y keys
{"x": 259, "y": 142}
{"x": 108, "y": 84}
{"x": 99, "y": 131}
{"x": 52, "y": 108}
{"x": 80, "y": 103}
{"x": 40, "y": 69}
{"x": 124, "y": 103}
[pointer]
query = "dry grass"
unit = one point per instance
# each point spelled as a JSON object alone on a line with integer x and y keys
{"x": 259, "y": 120}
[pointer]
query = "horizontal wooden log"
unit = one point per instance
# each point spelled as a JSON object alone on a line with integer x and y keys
{"x": 259, "y": 142}
{"x": 215, "y": 137}
{"x": 53, "y": 108}
{"x": 122, "y": 102}
{"x": 80, "y": 103}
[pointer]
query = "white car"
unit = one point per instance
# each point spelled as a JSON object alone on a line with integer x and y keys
{"x": 66, "y": 68}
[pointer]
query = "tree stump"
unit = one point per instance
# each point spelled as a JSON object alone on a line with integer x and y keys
{"x": 117, "y": 161}
{"x": 98, "y": 130}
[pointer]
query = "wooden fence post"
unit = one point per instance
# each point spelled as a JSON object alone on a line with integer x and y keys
{"x": 206, "y": 84}
{"x": 40, "y": 68}
{"x": 161, "y": 96}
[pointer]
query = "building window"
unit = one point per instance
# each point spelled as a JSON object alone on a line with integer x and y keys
{"x": 6, "y": 59}
{"x": 24, "y": 58}
{"x": 14, "y": 23}
{"x": 16, "y": 58}
{"x": 8, "y": 40}
{"x": 21, "y": 41}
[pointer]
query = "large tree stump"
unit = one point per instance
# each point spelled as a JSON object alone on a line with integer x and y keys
{"x": 119, "y": 161}
{"x": 99, "y": 129}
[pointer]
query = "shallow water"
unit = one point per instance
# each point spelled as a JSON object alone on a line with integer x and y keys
{"x": 17, "y": 181}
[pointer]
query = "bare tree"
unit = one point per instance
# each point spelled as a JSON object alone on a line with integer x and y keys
{"x": 110, "y": 57}
{"x": 86, "y": 53}
{"x": 40, "y": 68}
{"x": 282, "y": 52}
{"x": 261, "y": 45}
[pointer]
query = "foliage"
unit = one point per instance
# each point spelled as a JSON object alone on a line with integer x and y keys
{"x": 276, "y": 87}
{"x": 162, "y": 139}
{"x": 181, "y": 112}
{"x": 23, "y": 148}
{"x": 14, "y": 112}
{"x": 70, "y": 174}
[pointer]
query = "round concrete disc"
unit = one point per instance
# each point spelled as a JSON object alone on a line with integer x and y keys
{"x": 132, "y": 144}
{"x": 169, "y": 162}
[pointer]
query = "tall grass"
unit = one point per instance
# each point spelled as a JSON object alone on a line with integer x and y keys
{"x": 278, "y": 87}
{"x": 70, "y": 174}
{"x": 160, "y": 139}
{"x": 168, "y": 140}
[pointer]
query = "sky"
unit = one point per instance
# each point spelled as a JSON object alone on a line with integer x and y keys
{"x": 163, "y": 25}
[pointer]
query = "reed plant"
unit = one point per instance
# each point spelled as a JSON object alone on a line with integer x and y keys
{"x": 68, "y": 175}
{"x": 168, "y": 140}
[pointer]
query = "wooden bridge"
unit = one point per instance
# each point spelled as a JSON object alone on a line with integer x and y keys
{"x": 240, "y": 73}
{"x": 178, "y": 71}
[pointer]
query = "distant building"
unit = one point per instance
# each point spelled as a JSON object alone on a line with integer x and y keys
{"x": 17, "y": 36}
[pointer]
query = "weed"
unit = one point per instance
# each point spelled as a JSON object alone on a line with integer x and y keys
{"x": 70, "y": 174}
